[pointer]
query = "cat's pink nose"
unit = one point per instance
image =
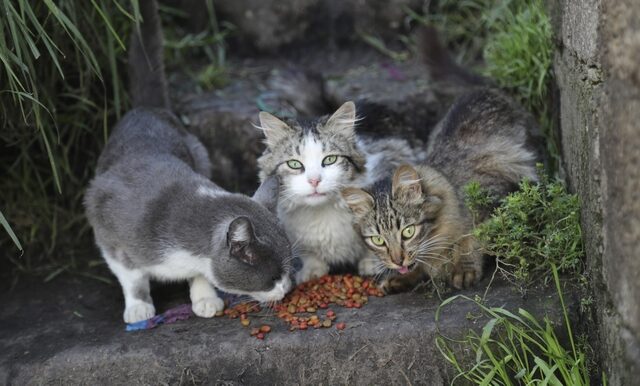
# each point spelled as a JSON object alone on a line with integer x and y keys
{"x": 314, "y": 182}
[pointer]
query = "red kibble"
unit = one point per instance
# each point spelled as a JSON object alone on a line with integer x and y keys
{"x": 300, "y": 308}
{"x": 260, "y": 336}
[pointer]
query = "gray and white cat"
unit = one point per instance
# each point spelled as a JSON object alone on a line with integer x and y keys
{"x": 156, "y": 215}
{"x": 314, "y": 160}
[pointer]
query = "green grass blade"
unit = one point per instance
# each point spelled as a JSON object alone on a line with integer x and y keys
{"x": 7, "y": 228}
{"x": 108, "y": 23}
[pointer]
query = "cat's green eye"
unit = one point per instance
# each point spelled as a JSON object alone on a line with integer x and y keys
{"x": 377, "y": 240}
{"x": 408, "y": 232}
{"x": 329, "y": 160}
{"x": 294, "y": 164}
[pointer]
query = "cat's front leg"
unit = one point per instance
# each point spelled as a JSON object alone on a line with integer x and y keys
{"x": 205, "y": 301}
{"x": 402, "y": 283}
{"x": 468, "y": 265}
{"x": 135, "y": 287}
{"x": 312, "y": 267}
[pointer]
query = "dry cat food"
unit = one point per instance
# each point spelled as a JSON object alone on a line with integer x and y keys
{"x": 307, "y": 306}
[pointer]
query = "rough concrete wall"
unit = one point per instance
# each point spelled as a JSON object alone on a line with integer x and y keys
{"x": 598, "y": 72}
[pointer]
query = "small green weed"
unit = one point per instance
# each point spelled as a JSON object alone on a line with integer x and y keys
{"x": 516, "y": 349}
{"x": 532, "y": 229}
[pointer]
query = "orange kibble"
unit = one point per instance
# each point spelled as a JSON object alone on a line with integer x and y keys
{"x": 265, "y": 328}
{"x": 303, "y": 326}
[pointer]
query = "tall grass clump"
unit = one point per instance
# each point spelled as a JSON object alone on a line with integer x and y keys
{"x": 516, "y": 349}
{"x": 60, "y": 90}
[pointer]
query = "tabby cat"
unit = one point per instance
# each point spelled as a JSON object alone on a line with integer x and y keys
{"x": 416, "y": 222}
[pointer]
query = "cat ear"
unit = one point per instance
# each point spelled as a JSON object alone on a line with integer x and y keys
{"x": 274, "y": 129}
{"x": 406, "y": 182}
{"x": 359, "y": 201}
{"x": 267, "y": 193}
{"x": 343, "y": 120}
{"x": 239, "y": 234}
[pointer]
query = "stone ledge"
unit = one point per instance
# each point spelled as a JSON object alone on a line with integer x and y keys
{"x": 71, "y": 332}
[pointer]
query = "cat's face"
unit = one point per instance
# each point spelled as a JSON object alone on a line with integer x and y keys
{"x": 257, "y": 254}
{"x": 313, "y": 160}
{"x": 396, "y": 221}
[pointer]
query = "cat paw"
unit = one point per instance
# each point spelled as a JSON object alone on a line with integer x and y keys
{"x": 312, "y": 269}
{"x": 394, "y": 285}
{"x": 465, "y": 277}
{"x": 138, "y": 312}
{"x": 207, "y": 307}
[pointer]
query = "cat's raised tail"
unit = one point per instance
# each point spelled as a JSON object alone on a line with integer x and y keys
{"x": 439, "y": 62}
{"x": 147, "y": 80}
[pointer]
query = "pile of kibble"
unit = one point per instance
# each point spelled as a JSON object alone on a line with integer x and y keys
{"x": 301, "y": 309}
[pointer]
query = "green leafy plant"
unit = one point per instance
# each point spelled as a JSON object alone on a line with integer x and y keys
{"x": 516, "y": 348}
{"x": 532, "y": 229}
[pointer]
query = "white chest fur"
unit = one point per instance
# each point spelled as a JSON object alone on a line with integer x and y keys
{"x": 325, "y": 232}
{"x": 181, "y": 265}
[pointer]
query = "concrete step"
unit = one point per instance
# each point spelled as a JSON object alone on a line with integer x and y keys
{"x": 70, "y": 331}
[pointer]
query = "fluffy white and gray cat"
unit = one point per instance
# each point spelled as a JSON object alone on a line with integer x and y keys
{"x": 314, "y": 160}
{"x": 156, "y": 215}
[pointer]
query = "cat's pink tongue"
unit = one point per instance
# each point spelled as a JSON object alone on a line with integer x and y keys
{"x": 403, "y": 270}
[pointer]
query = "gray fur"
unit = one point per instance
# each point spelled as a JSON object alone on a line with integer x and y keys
{"x": 144, "y": 201}
{"x": 155, "y": 213}
{"x": 485, "y": 137}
